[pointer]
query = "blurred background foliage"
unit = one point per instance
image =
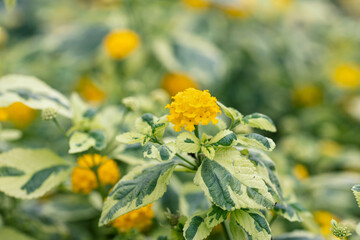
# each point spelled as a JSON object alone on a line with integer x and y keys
{"x": 297, "y": 61}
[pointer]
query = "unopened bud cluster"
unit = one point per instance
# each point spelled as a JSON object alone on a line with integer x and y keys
{"x": 49, "y": 114}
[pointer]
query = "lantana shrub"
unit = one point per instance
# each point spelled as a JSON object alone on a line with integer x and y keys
{"x": 200, "y": 136}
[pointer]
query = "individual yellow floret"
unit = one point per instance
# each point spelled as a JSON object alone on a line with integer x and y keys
{"x": 120, "y": 43}
{"x": 192, "y": 107}
{"x": 140, "y": 219}
{"x": 173, "y": 83}
{"x": 83, "y": 177}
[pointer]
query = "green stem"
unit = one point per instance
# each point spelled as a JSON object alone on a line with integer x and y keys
{"x": 60, "y": 128}
{"x": 184, "y": 159}
{"x": 226, "y": 231}
{"x": 100, "y": 187}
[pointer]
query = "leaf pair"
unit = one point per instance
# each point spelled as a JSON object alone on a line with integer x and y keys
{"x": 255, "y": 120}
{"x": 189, "y": 143}
{"x": 147, "y": 127}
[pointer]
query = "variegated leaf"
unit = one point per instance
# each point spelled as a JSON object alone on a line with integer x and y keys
{"x": 225, "y": 138}
{"x": 82, "y": 141}
{"x": 30, "y": 173}
{"x": 159, "y": 152}
{"x": 188, "y": 142}
{"x": 230, "y": 181}
{"x": 257, "y": 141}
{"x": 232, "y": 113}
{"x": 150, "y": 125}
{"x": 33, "y": 93}
{"x": 132, "y": 138}
{"x": 252, "y": 222}
{"x": 199, "y": 225}
{"x": 261, "y": 121}
{"x": 140, "y": 187}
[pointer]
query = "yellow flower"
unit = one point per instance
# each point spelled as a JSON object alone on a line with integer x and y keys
{"x": 240, "y": 9}
{"x": 3, "y": 115}
{"x": 89, "y": 91}
{"x": 198, "y": 4}
{"x": 330, "y": 148}
{"x": 177, "y": 82}
{"x": 323, "y": 218}
{"x": 140, "y": 219}
{"x": 83, "y": 177}
{"x": 282, "y": 5}
{"x": 120, "y": 43}
{"x": 300, "y": 171}
{"x": 191, "y": 107}
{"x": 307, "y": 96}
{"x": 347, "y": 75}
{"x": 18, "y": 114}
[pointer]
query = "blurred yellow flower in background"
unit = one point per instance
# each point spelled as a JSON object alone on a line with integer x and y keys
{"x": 323, "y": 218}
{"x": 18, "y": 114}
{"x": 121, "y": 43}
{"x": 197, "y": 4}
{"x": 140, "y": 219}
{"x": 90, "y": 91}
{"x": 83, "y": 177}
{"x": 282, "y": 5}
{"x": 330, "y": 148}
{"x": 191, "y": 107}
{"x": 307, "y": 96}
{"x": 242, "y": 9}
{"x": 300, "y": 171}
{"x": 173, "y": 83}
{"x": 347, "y": 75}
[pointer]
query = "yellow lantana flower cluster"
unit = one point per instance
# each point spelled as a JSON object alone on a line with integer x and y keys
{"x": 140, "y": 219}
{"x": 120, "y": 43}
{"x": 83, "y": 177}
{"x": 173, "y": 83}
{"x": 192, "y": 107}
{"x": 18, "y": 114}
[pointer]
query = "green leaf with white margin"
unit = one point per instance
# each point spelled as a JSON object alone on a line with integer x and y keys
{"x": 30, "y": 173}
{"x": 81, "y": 141}
{"x": 8, "y": 233}
{"x": 290, "y": 211}
{"x": 265, "y": 167}
{"x": 150, "y": 125}
{"x": 140, "y": 187}
{"x": 132, "y": 138}
{"x": 199, "y": 225}
{"x": 261, "y": 121}
{"x": 356, "y": 191}
{"x": 160, "y": 152}
{"x": 232, "y": 113}
{"x": 188, "y": 142}
{"x": 252, "y": 222}
{"x": 208, "y": 151}
{"x": 257, "y": 141}
{"x": 33, "y": 93}
{"x": 230, "y": 181}
{"x": 225, "y": 138}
